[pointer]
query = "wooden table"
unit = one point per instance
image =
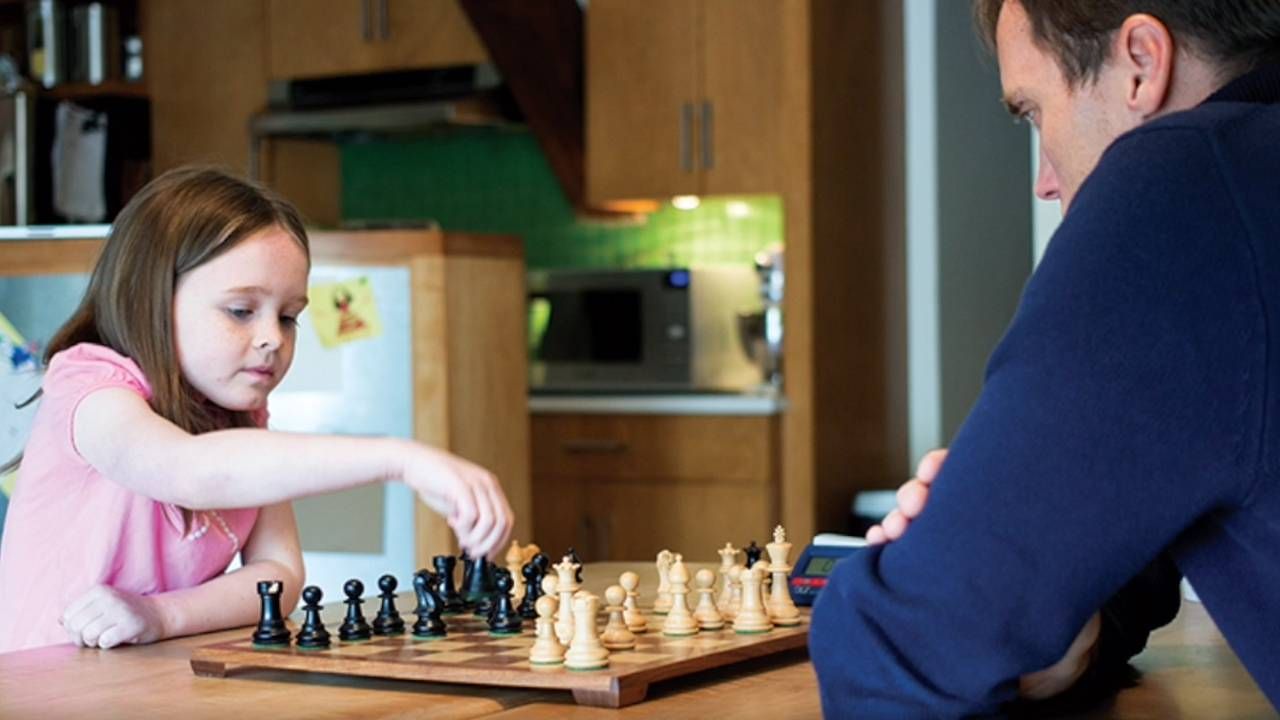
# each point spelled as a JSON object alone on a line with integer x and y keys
{"x": 1188, "y": 672}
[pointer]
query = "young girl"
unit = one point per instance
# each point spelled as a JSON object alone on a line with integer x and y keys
{"x": 148, "y": 467}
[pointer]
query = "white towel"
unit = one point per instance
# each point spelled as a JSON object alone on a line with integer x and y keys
{"x": 79, "y": 164}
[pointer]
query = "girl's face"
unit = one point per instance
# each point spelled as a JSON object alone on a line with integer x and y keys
{"x": 235, "y": 318}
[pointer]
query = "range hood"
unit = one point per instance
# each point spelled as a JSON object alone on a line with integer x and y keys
{"x": 537, "y": 78}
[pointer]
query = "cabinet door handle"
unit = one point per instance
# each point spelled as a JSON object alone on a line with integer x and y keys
{"x": 366, "y": 20}
{"x": 384, "y": 20}
{"x": 594, "y": 447}
{"x": 686, "y": 137}
{"x": 708, "y": 135}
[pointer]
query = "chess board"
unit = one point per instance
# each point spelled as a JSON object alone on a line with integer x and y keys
{"x": 471, "y": 655}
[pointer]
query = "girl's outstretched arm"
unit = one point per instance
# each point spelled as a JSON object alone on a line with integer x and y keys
{"x": 117, "y": 432}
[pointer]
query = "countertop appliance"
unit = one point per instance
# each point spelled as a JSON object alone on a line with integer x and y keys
{"x": 670, "y": 330}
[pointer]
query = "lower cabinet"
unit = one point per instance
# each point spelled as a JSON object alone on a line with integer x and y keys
{"x": 624, "y": 487}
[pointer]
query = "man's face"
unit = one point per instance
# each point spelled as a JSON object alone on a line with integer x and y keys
{"x": 1075, "y": 124}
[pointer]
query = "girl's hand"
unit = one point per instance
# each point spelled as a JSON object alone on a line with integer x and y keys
{"x": 911, "y": 499}
{"x": 106, "y": 617}
{"x": 467, "y": 495}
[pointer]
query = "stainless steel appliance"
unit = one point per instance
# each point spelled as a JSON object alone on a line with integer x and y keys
{"x": 672, "y": 330}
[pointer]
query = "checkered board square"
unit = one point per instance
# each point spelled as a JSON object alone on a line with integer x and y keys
{"x": 470, "y": 654}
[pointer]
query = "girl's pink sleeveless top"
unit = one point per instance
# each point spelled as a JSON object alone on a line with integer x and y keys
{"x": 69, "y": 528}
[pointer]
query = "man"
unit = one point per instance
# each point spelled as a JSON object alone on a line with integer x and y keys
{"x": 1130, "y": 409}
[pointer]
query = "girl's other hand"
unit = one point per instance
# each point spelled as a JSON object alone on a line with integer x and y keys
{"x": 106, "y": 617}
{"x": 467, "y": 495}
{"x": 912, "y": 497}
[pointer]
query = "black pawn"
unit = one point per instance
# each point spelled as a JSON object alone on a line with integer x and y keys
{"x": 573, "y": 557}
{"x": 429, "y": 606}
{"x": 354, "y": 627}
{"x": 504, "y": 620}
{"x": 388, "y": 621}
{"x": 533, "y": 572}
{"x": 271, "y": 629}
{"x": 478, "y": 591}
{"x": 445, "y": 587}
{"x": 753, "y": 552}
{"x": 312, "y": 634}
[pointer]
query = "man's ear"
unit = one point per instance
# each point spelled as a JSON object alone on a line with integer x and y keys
{"x": 1144, "y": 52}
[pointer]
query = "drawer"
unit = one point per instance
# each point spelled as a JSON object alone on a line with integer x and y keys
{"x": 643, "y": 447}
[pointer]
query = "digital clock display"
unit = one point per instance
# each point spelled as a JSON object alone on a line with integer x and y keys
{"x": 820, "y": 566}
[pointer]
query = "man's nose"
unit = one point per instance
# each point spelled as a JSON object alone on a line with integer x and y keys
{"x": 1047, "y": 179}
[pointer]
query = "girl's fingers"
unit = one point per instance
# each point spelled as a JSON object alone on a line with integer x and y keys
{"x": 93, "y": 631}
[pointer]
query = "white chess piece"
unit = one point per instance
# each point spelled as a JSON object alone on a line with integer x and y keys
{"x": 616, "y": 636}
{"x": 662, "y": 604}
{"x": 631, "y": 613}
{"x": 751, "y": 617}
{"x": 566, "y": 585}
{"x": 728, "y": 558}
{"x": 515, "y": 563}
{"x": 586, "y": 652}
{"x": 781, "y": 607}
{"x": 547, "y": 649}
{"x": 679, "y": 620}
{"x": 763, "y": 567}
{"x": 735, "y": 592}
{"x": 706, "y": 614}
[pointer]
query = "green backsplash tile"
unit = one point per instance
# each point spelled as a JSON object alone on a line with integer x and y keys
{"x": 496, "y": 180}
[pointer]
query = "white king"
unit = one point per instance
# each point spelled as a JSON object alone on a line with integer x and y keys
{"x": 781, "y": 609}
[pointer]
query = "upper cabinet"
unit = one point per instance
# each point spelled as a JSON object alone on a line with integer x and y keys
{"x": 684, "y": 97}
{"x": 315, "y": 38}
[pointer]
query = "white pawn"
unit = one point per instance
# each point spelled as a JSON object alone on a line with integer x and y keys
{"x": 679, "y": 619}
{"x": 662, "y": 604}
{"x": 706, "y": 614}
{"x": 566, "y": 585}
{"x": 728, "y": 558}
{"x": 751, "y": 617}
{"x": 586, "y": 652}
{"x": 547, "y": 649}
{"x": 631, "y": 613}
{"x": 616, "y": 636}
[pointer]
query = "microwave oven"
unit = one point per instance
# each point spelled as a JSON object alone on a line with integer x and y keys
{"x": 673, "y": 330}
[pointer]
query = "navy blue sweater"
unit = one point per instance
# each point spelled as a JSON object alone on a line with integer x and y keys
{"x": 1129, "y": 411}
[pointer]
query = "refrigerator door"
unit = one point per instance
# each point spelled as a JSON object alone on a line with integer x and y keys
{"x": 363, "y": 387}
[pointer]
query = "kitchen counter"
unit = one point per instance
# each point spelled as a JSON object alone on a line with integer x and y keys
{"x": 674, "y": 404}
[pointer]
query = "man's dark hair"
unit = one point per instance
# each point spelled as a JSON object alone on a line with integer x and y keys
{"x": 1236, "y": 35}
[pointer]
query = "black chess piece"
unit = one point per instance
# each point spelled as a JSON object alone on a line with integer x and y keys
{"x": 354, "y": 627}
{"x": 388, "y": 621}
{"x": 533, "y": 572}
{"x": 271, "y": 629}
{"x": 573, "y": 557}
{"x": 468, "y": 567}
{"x": 312, "y": 635}
{"x": 478, "y": 590}
{"x": 753, "y": 552}
{"x": 426, "y": 587}
{"x": 448, "y": 592}
{"x": 504, "y": 620}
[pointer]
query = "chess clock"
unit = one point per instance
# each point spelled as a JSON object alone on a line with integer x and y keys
{"x": 816, "y": 563}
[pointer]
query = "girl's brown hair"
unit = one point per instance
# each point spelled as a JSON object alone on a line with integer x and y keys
{"x": 179, "y": 221}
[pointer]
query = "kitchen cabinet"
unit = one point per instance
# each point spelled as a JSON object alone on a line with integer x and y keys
{"x": 315, "y": 38}
{"x": 684, "y": 97}
{"x": 626, "y": 486}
